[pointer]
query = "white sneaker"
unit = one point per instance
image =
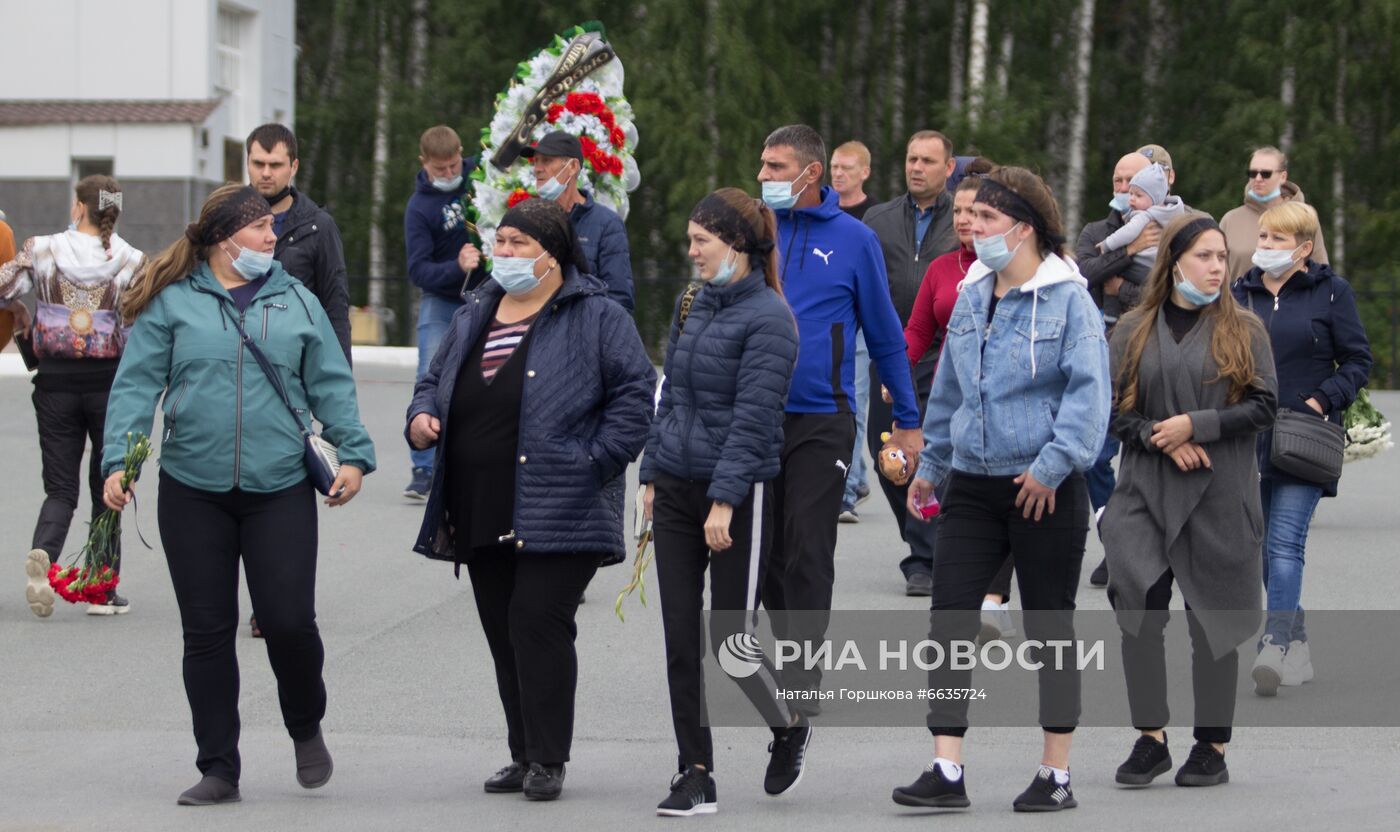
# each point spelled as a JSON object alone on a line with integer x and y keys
{"x": 848, "y": 516}
{"x": 996, "y": 622}
{"x": 1268, "y": 668}
{"x": 38, "y": 592}
{"x": 1297, "y": 664}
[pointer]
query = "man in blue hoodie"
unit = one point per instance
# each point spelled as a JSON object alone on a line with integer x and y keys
{"x": 834, "y": 279}
{"x": 443, "y": 261}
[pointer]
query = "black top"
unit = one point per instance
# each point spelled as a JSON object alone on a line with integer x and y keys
{"x": 482, "y": 438}
{"x": 858, "y": 210}
{"x": 1180, "y": 320}
{"x": 243, "y": 295}
{"x": 992, "y": 307}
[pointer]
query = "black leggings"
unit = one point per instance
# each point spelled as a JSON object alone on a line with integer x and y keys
{"x": 1145, "y": 666}
{"x": 527, "y": 602}
{"x": 67, "y": 422}
{"x": 204, "y": 533}
{"x": 979, "y": 527}
{"x": 682, "y": 558}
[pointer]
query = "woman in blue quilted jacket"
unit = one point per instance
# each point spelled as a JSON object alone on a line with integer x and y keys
{"x": 712, "y": 447}
{"x": 538, "y": 398}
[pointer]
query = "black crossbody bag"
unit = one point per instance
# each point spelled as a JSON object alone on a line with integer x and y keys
{"x": 322, "y": 458}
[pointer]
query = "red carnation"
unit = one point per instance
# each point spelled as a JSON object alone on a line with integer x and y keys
{"x": 555, "y": 111}
{"x": 517, "y": 196}
{"x": 617, "y": 137}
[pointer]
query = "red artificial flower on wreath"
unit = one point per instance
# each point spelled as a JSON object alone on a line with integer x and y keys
{"x": 517, "y": 196}
{"x": 555, "y": 111}
{"x": 591, "y": 104}
{"x": 601, "y": 160}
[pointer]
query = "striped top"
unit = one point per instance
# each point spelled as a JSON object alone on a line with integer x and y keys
{"x": 501, "y": 341}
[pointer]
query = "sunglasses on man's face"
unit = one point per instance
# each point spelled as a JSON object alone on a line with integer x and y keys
{"x": 1262, "y": 174}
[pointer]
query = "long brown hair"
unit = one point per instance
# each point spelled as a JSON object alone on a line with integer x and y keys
{"x": 88, "y": 191}
{"x": 1230, "y": 343}
{"x": 174, "y": 263}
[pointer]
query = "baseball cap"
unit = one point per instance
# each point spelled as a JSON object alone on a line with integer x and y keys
{"x": 557, "y": 143}
{"x": 1158, "y": 154}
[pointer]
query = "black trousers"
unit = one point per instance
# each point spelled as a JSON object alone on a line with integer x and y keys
{"x": 679, "y": 512}
{"x": 1145, "y": 668}
{"x": 979, "y": 527}
{"x": 921, "y": 537}
{"x": 527, "y": 603}
{"x": 67, "y": 422}
{"x": 204, "y": 533}
{"x": 806, "y": 502}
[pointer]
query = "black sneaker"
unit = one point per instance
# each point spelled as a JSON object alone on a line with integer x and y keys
{"x": 692, "y": 793}
{"x": 1099, "y": 577}
{"x": 1149, "y": 759}
{"x": 543, "y": 782}
{"x": 1045, "y": 795}
{"x": 788, "y": 752}
{"x": 934, "y": 790}
{"x": 419, "y": 486}
{"x": 918, "y": 585}
{"x": 1204, "y": 767}
{"x": 508, "y": 780}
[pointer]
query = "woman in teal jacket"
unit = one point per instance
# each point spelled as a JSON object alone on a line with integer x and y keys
{"x": 232, "y": 480}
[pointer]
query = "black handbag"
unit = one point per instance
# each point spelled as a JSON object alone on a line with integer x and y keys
{"x": 1308, "y": 447}
{"x": 322, "y": 458}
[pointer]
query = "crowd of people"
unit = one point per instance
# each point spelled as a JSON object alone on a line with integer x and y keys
{"x": 953, "y": 326}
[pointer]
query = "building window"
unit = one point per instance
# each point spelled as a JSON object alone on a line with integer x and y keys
{"x": 234, "y": 164}
{"x": 83, "y": 168}
{"x": 228, "y": 55}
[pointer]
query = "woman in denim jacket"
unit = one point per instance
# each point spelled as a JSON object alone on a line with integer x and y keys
{"x": 1018, "y": 412}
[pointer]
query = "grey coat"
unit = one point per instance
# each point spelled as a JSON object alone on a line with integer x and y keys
{"x": 1204, "y": 525}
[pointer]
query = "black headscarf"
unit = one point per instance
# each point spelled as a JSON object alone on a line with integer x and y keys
{"x": 721, "y": 219}
{"x": 1188, "y": 234}
{"x": 550, "y": 226}
{"x": 999, "y": 196}
{"x": 244, "y": 206}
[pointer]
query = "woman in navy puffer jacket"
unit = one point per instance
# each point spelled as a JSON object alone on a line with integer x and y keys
{"x": 714, "y": 443}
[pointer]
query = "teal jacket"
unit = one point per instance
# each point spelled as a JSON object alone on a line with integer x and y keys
{"x": 225, "y": 425}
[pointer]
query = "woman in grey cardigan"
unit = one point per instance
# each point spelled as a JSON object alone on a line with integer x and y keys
{"x": 1194, "y": 383}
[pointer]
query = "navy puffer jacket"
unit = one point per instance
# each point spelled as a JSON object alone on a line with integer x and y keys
{"x": 720, "y": 419}
{"x": 583, "y": 417}
{"x": 1320, "y": 346}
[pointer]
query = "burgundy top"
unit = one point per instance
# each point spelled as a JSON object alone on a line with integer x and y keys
{"x": 934, "y": 304}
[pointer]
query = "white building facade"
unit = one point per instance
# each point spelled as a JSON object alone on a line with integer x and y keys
{"x": 160, "y": 94}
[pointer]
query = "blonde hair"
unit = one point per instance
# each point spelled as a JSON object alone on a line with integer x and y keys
{"x": 1292, "y": 217}
{"x": 856, "y": 149}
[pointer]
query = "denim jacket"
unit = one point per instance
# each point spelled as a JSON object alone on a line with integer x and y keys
{"x": 999, "y": 407}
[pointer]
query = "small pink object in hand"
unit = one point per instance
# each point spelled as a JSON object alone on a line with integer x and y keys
{"x": 930, "y": 509}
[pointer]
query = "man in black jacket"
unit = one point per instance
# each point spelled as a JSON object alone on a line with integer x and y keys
{"x": 308, "y": 241}
{"x": 913, "y": 228}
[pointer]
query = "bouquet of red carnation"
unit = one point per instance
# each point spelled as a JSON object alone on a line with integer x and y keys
{"x": 93, "y": 574}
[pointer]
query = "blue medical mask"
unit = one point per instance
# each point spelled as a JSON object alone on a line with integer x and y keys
{"x": 448, "y": 185}
{"x": 1194, "y": 296}
{"x": 1119, "y": 203}
{"x": 72, "y": 226}
{"x": 552, "y": 189}
{"x": 1275, "y": 261}
{"x": 992, "y": 250}
{"x": 1271, "y": 195}
{"x": 515, "y": 274}
{"x": 252, "y": 264}
{"x": 726, "y": 270}
{"x": 779, "y": 195}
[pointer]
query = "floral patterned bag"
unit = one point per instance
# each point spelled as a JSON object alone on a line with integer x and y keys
{"x": 78, "y": 327}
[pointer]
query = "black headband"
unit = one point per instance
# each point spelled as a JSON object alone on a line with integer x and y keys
{"x": 550, "y": 226}
{"x": 1188, "y": 234}
{"x": 244, "y": 206}
{"x": 722, "y": 220}
{"x": 997, "y": 195}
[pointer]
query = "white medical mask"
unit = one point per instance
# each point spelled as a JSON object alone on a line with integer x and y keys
{"x": 1275, "y": 261}
{"x": 515, "y": 274}
{"x": 779, "y": 195}
{"x": 552, "y": 189}
{"x": 251, "y": 264}
{"x": 725, "y": 272}
{"x": 448, "y": 185}
{"x": 1194, "y": 296}
{"x": 992, "y": 251}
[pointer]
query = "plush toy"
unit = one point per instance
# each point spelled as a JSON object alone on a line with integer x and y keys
{"x": 894, "y": 465}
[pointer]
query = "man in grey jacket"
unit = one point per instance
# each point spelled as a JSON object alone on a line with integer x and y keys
{"x": 914, "y": 228}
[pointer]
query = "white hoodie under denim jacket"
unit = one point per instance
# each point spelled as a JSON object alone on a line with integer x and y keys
{"x": 998, "y": 406}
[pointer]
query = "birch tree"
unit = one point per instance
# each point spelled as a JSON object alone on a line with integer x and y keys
{"x": 957, "y": 56}
{"x": 1079, "y": 124}
{"x": 977, "y": 63}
